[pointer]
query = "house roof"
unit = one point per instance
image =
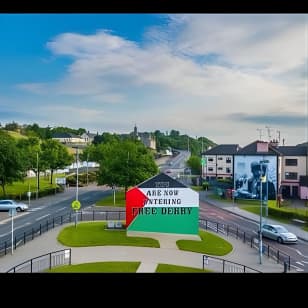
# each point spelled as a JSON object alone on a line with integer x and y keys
{"x": 223, "y": 149}
{"x": 297, "y": 150}
{"x": 252, "y": 149}
{"x": 64, "y": 135}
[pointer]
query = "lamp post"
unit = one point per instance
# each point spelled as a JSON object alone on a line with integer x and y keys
{"x": 262, "y": 180}
{"x": 87, "y": 169}
{"x": 77, "y": 181}
{"x": 37, "y": 176}
{"x": 77, "y": 169}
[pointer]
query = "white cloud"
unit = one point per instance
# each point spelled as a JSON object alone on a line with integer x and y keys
{"x": 200, "y": 68}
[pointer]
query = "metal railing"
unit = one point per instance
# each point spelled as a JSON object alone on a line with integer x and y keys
{"x": 43, "y": 262}
{"x": 248, "y": 238}
{"x": 94, "y": 215}
{"x": 21, "y": 238}
{"x": 219, "y": 265}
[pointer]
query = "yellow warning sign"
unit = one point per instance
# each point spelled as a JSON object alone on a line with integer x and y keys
{"x": 76, "y": 205}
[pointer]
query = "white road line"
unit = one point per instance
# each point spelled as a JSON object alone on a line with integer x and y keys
{"x": 299, "y": 252}
{"x": 301, "y": 264}
{"x": 62, "y": 208}
{"x": 42, "y": 217}
{"x": 5, "y": 234}
{"x": 297, "y": 268}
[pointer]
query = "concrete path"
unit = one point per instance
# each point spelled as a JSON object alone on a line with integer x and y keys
{"x": 149, "y": 257}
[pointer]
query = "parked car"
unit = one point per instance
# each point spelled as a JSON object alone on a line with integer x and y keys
{"x": 278, "y": 233}
{"x": 6, "y": 205}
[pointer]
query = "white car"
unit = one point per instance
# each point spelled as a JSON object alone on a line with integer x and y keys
{"x": 278, "y": 233}
{"x": 6, "y": 205}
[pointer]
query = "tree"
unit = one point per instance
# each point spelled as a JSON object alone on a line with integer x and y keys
{"x": 11, "y": 166}
{"x": 194, "y": 162}
{"x": 30, "y": 149}
{"x": 54, "y": 156}
{"x": 125, "y": 163}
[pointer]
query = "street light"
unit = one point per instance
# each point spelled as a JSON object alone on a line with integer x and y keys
{"x": 77, "y": 171}
{"x": 37, "y": 176}
{"x": 262, "y": 180}
{"x": 77, "y": 181}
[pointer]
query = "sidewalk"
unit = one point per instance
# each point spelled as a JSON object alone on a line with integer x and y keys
{"x": 149, "y": 257}
{"x": 230, "y": 207}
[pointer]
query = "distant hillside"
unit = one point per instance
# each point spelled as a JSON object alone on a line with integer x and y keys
{"x": 16, "y": 135}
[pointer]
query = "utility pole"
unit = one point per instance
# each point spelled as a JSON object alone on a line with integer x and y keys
{"x": 260, "y": 133}
{"x": 269, "y": 133}
{"x": 37, "y": 176}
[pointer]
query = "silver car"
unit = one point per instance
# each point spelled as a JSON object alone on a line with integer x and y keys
{"x": 278, "y": 233}
{"x": 6, "y": 205}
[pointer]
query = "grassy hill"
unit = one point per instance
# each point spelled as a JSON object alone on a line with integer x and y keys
{"x": 16, "y": 135}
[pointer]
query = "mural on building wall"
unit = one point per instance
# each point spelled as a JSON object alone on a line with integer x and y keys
{"x": 162, "y": 204}
{"x": 248, "y": 170}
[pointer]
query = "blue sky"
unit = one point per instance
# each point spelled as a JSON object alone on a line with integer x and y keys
{"x": 224, "y": 76}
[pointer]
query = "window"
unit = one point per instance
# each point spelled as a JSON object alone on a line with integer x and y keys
{"x": 291, "y": 162}
{"x": 228, "y": 160}
{"x": 220, "y": 168}
{"x": 291, "y": 175}
{"x": 210, "y": 159}
{"x": 219, "y": 158}
{"x": 228, "y": 170}
{"x": 210, "y": 169}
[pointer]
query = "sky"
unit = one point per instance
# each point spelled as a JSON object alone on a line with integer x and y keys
{"x": 233, "y": 78}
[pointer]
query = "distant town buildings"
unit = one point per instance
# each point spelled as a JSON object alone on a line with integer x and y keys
{"x": 287, "y": 165}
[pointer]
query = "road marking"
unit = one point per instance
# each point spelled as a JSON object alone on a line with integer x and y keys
{"x": 5, "y": 234}
{"x": 62, "y": 208}
{"x": 301, "y": 264}
{"x": 297, "y": 268}
{"x": 42, "y": 217}
{"x": 299, "y": 253}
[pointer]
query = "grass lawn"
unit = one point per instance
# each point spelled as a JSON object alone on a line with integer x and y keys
{"x": 210, "y": 244}
{"x": 109, "y": 200}
{"x": 97, "y": 267}
{"x": 21, "y": 187}
{"x": 96, "y": 234}
{"x": 169, "y": 268}
{"x": 121, "y": 267}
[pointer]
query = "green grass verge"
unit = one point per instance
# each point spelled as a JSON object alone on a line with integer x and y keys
{"x": 209, "y": 244}
{"x": 109, "y": 200}
{"x": 96, "y": 234}
{"x": 21, "y": 187}
{"x": 121, "y": 267}
{"x": 168, "y": 268}
{"x": 97, "y": 267}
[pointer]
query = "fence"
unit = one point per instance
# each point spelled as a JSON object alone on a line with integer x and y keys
{"x": 224, "y": 266}
{"x": 247, "y": 238}
{"x": 31, "y": 233}
{"x": 93, "y": 215}
{"x": 44, "y": 262}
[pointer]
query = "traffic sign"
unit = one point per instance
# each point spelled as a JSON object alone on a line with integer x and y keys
{"x": 76, "y": 205}
{"x": 203, "y": 161}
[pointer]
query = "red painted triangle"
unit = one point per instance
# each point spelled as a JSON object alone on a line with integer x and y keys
{"x": 135, "y": 198}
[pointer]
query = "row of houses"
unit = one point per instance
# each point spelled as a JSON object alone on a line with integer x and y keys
{"x": 148, "y": 139}
{"x": 287, "y": 166}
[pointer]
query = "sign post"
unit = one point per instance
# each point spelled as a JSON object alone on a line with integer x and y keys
{"x": 12, "y": 213}
{"x": 76, "y": 206}
{"x": 29, "y": 196}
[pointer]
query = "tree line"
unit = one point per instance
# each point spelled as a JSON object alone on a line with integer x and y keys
{"x": 124, "y": 160}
